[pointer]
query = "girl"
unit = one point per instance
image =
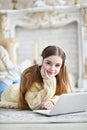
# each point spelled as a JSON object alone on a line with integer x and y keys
{"x": 40, "y": 84}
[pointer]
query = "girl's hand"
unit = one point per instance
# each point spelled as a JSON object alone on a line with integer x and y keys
{"x": 44, "y": 73}
{"x": 47, "y": 105}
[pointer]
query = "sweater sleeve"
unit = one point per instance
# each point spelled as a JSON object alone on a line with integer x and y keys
{"x": 39, "y": 94}
{"x": 54, "y": 99}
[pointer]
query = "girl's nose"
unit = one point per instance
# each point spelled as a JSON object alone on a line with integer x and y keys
{"x": 52, "y": 67}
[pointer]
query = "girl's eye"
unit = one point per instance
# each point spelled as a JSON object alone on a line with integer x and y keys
{"x": 48, "y": 63}
{"x": 58, "y": 65}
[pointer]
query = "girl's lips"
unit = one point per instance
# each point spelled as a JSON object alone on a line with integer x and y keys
{"x": 50, "y": 73}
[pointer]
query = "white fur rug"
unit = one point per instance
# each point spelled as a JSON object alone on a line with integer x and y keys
{"x": 16, "y": 116}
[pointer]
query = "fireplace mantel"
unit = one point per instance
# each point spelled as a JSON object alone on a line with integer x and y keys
{"x": 51, "y": 17}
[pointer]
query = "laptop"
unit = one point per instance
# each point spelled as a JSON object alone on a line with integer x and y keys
{"x": 67, "y": 103}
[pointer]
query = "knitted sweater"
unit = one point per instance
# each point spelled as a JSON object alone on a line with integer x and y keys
{"x": 34, "y": 97}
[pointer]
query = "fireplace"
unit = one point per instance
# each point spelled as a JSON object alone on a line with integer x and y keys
{"x": 37, "y": 29}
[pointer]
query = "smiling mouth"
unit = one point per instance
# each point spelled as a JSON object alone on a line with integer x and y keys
{"x": 51, "y": 73}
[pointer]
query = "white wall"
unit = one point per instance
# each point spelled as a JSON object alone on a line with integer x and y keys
{"x": 65, "y": 37}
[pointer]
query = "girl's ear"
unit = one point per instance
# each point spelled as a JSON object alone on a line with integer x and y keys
{"x": 40, "y": 60}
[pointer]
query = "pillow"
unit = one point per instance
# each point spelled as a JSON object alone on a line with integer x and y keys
{"x": 10, "y": 44}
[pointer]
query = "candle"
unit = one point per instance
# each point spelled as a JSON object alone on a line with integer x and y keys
{"x": 35, "y": 53}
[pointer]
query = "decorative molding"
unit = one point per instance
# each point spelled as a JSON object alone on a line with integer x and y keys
{"x": 45, "y": 20}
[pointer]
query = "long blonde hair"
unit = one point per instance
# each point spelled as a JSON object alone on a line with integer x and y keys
{"x": 32, "y": 74}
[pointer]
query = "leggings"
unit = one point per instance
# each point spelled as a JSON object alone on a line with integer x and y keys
{"x": 4, "y": 85}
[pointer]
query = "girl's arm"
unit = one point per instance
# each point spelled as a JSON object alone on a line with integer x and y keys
{"x": 38, "y": 94}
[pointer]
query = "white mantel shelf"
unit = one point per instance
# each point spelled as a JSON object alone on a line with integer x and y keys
{"x": 72, "y": 8}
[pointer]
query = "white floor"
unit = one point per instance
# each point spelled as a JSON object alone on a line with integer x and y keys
{"x": 58, "y": 126}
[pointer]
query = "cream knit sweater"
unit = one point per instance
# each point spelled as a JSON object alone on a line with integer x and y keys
{"x": 34, "y": 97}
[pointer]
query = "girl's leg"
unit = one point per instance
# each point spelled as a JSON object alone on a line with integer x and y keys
{"x": 13, "y": 73}
{"x": 4, "y": 56}
{"x": 12, "y": 77}
{"x": 6, "y": 82}
{"x": 2, "y": 87}
{"x": 9, "y": 65}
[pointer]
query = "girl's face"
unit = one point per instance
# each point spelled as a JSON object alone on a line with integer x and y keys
{"x": 52, "y": 65}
